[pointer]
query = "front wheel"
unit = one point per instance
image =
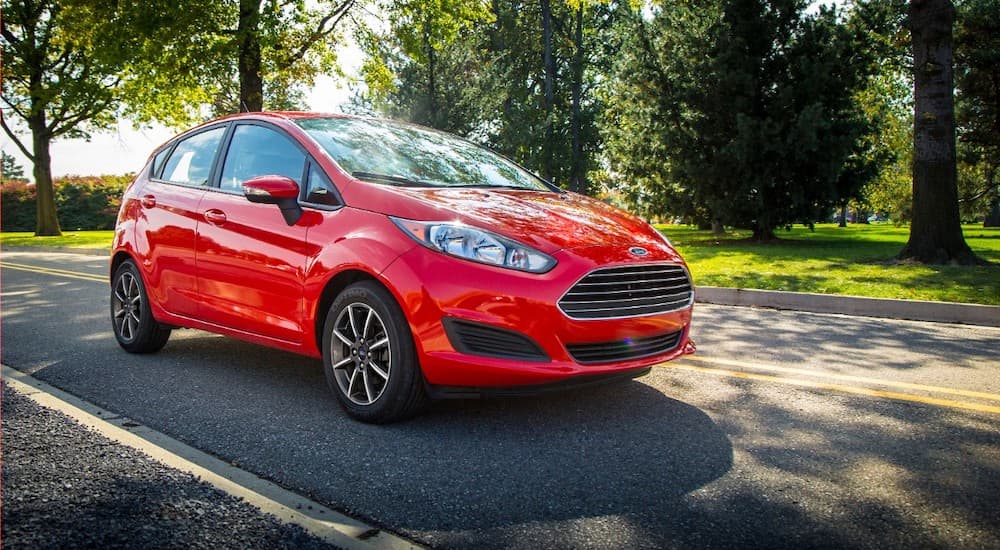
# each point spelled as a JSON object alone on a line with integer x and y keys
{"x": 369, "y": 357}
{"x": 135, "y": 328}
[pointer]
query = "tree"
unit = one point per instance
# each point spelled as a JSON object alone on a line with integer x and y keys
{"x": 68, "y": 65}
{"x": 519, "y": 76}
{"x": 278, "y": 46}
{"x": 550, "y": 58}
{"x": 747, "y": 107}
{"x": 55, "y": 80}
{"x": 977, "y": 107}
{"x": 887, "y": 100}
{"x": 426, "y": 66}
{"x": 936, "y": 230}
{"x": 662, "y": 64}
{"x": 73, "y": 66}
{"x": 11, "y": 170}
{"x": 880, "y": 153}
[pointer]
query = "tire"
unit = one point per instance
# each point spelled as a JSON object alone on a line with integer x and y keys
{"x": 369, "y": 357}
{"x": 131, "y": 319}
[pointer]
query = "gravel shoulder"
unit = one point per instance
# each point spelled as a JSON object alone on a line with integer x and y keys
{"x": 66, "y": 486}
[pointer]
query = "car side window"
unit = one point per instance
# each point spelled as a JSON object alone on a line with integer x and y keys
{"x": 158, "y": 162}
{"x": 320, "y": 190}
{"x": 259, "y": 151}
{"x": 191, "y": 161}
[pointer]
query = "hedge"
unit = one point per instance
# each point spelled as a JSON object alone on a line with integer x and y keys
{"x": 82, "y": 202}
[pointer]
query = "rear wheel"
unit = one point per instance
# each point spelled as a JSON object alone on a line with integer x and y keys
{"x": 133, "y": 323}
{"x": 369, "y": 357}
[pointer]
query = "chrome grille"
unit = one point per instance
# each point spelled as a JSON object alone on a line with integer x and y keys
{"x": 628, "y": 291}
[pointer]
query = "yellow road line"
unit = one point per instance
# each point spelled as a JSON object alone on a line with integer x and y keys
{"x": 846, "y": 377}
{"x": 55, "y": 272}
{"x": 838, "y": 388}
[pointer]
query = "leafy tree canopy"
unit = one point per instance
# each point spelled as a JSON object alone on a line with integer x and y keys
{"x": 742, "y": 112}
{"x": 977, "y": 107}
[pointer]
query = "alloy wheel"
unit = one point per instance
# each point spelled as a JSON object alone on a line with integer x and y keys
{"x": 361, "y": 353}
{"x": 127, "y": 306}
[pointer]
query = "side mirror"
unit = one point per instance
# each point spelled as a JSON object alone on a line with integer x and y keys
{"x": 278, "y": 190}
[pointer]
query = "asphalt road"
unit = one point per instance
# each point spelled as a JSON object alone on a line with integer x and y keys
{"x": 786, "y": 430}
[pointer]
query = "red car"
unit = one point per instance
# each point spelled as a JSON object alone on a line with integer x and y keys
{"x": 417, "y": 264}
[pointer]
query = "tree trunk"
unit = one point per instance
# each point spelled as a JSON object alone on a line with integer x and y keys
{"x": 717, "y": 227}
{"x": 936, "y": 231}
{"x": 251, "y": 81}
{"x": 432, "y": 106}
{"x": 843, "y": 215}
{"x": 763, "y": 234}
{"x": 549, "y": 62}
{"x": 993, "y": 216}
{"x": 763, "y": 229}
{"x": 993, "y": 219}
{"x": 46, "y": 218}
{"x": 578, "y": 168}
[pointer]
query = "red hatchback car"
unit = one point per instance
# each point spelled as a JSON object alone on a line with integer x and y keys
{"x": 417, "y": 264}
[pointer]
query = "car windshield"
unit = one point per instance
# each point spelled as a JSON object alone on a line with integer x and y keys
{"x": 401, "y": 154}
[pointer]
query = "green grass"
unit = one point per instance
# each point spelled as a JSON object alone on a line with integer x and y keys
{"x": 857, "y": 260}
{"x": 69, "y": 239}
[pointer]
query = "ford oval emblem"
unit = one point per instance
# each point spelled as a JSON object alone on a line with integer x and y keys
{"x": 638, "y": 251}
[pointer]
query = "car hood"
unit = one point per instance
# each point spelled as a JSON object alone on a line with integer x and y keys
{"x": 548, "y": 221}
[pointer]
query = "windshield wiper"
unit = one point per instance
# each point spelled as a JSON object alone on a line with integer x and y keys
{"x": 490, "y": 186}
{"x": 388, "y": 178}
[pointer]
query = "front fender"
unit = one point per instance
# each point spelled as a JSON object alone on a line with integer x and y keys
{"x": 349, "y": 240}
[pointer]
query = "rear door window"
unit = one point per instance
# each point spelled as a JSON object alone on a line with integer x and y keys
{"x": 192, "y": 158}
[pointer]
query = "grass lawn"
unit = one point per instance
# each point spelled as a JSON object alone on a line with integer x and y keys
{"x": 856, "y": 260}
{"x": 69, "y": 239}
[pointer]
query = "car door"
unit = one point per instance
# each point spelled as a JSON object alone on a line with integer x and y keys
{"x": 166, "y": 228}
{"x": 249, "y": 261}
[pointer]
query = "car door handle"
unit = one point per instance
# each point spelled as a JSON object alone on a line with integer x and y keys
{"x": 148, "y": 201}
{"x": 215, "y": 217}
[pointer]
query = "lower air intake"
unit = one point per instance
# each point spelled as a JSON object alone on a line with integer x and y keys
{"x": 488, "y": 341}
{"x": 623, "y": 350}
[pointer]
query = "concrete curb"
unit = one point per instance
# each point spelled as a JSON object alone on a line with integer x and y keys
{"x": 914, "y": 310}
{"x": 338, "y": 529}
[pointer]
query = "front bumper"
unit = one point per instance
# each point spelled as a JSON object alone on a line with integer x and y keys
{"x": 433, "y": 287}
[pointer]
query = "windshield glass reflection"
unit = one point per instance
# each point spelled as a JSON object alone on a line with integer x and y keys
{"x": 400, "y": 154}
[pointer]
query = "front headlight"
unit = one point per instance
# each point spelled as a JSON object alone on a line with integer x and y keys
{"x": 476, "y": 245}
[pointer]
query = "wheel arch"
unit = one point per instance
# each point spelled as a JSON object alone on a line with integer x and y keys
{"x": 117, "y": 260}
{"x": 331, "y": 290}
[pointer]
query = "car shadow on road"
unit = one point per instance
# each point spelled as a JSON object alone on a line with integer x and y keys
{"x": 483, "y": 473}
{"x": 554, "y": 469}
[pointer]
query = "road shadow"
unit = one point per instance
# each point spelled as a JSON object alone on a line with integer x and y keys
{"x": 484, "y": 473}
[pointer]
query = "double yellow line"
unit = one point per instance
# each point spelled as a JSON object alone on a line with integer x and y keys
{"x": 54, "y": 271}
{"x": 725, "y": 367}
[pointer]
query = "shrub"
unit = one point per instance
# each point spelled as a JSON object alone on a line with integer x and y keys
{"x": 17, "y": 206}
{"x": 82, "y": 202}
